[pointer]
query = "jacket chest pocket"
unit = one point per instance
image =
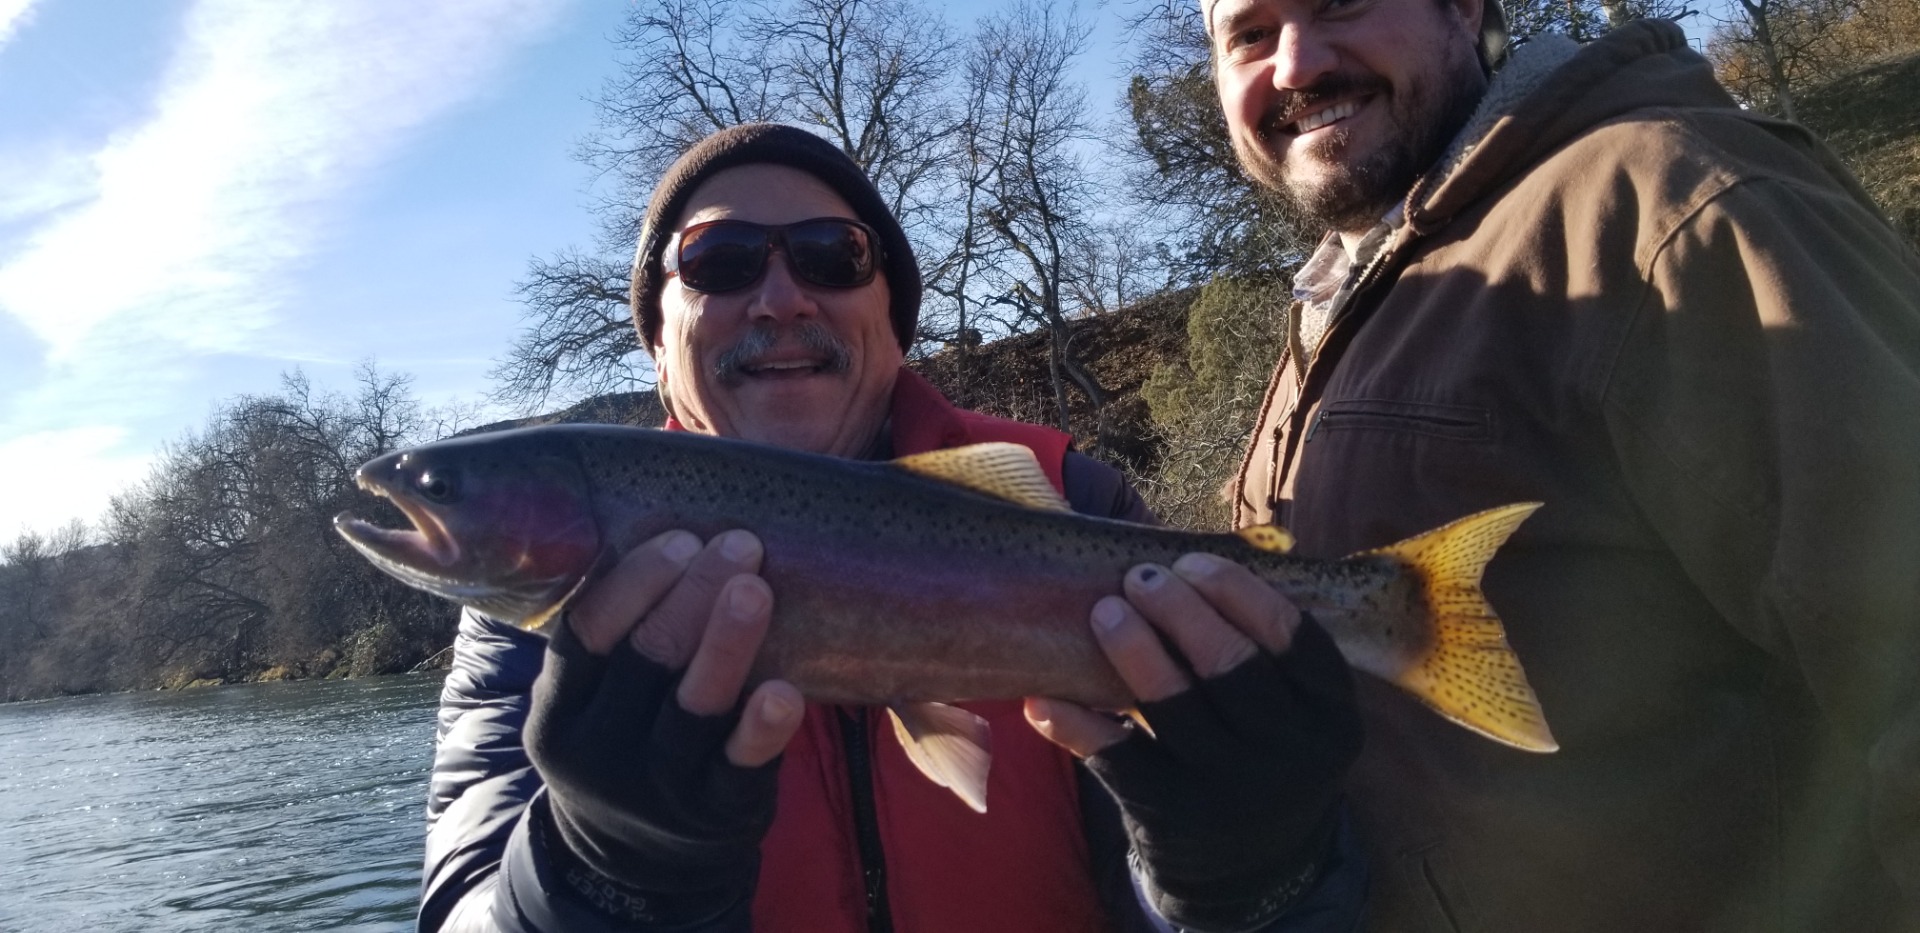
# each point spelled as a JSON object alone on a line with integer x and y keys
{"x": 1453, "y": 422}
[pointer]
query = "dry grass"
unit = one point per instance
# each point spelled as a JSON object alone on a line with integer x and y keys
{"x": 1009, "y": 377}
{"x": 1871, "y": 118}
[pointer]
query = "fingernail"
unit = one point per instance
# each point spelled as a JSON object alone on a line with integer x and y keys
{"x": 1107, "y": 614}
{"x": 776, "y": 708}
{"x": 1197, "y": 566}
{"x": 744, "y": 602}
{"x": 1040, "y": 714}
{"x": 679, "y": 547}
{"x": 739, "y": 546}
{"x": 1148, "y": 577}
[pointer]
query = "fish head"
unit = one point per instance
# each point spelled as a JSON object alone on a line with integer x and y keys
{"x": 503, "y": 524}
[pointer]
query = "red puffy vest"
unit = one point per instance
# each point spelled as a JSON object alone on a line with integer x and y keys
{"x": 1022, "y": 865}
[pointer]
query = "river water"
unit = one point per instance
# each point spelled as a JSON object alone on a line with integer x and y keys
{"x": 293, "y": 806}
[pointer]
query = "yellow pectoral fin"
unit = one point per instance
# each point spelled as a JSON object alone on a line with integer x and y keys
{"x": 1001, "y": 470}
{"x": 949, "y": 745}
{"x": 1470, "y": 674}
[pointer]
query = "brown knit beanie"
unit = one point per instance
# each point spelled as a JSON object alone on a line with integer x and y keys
{"x": 772, "y": 144}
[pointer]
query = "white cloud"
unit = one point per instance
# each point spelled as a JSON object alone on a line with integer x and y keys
{"x": 44, "y": 178}
{"x": 54, "y": 477}
{"x": 13, "y": 15}
{"x": 267, "y": 117}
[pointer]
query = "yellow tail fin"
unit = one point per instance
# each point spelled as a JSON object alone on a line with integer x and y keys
{"x": 1470, "y": 675}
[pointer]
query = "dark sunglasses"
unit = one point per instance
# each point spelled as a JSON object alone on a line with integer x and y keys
{"x": 723, "y": 255}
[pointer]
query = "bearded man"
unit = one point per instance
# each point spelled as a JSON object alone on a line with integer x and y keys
{"x": 1590, "y": 278}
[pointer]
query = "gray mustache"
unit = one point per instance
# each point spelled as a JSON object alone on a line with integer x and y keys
{"x": 731, "y": 366}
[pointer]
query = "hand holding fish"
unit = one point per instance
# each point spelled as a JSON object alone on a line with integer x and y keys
{"x": 1230, "y": 799}
{"x": 658, "y": 798}
{"x": 735, "y": 623}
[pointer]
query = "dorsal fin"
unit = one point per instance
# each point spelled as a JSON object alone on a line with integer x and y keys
{"x": 1001, "y": 470}
{"x": 1267, "y": 538}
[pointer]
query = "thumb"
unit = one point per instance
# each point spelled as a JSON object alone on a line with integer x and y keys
{"x": 1073, "y": 727}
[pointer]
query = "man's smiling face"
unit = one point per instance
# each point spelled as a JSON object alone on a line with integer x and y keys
{"x": 1342, "y": 104}
{"x": 781, "y": 361}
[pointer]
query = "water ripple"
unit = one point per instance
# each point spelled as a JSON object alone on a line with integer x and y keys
{"x": 264, "y": 807}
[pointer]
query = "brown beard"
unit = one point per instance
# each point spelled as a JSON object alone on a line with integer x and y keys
{"x": 1358, "y": 192}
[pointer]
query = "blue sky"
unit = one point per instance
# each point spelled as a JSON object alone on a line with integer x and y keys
{"x": 199, "y": 195}
{"x": 202, "y": 194}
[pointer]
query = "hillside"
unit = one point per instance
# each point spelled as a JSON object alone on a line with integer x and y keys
{"x": 635, "y": 408}
{"x": 1009, "y": 377}
{"x": 1871, "y": 118}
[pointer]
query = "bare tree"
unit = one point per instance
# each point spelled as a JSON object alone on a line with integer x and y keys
{"x": 25, "y": 581}
{"x": 233, "y": 564}
{"x": 683, "y": 75}
{"x": 1211, "y": 218}
{"x": 870, "y": 75}
{"x": 1033, "y": 124}
{"x": 1115, "y": 267}
{"x": 45, "y": 583}
{"x": 1771, "y": 49}
{"x": 579, "y": 338}
{"x": 952, "y": 313}
{"x": 223, "y": 562}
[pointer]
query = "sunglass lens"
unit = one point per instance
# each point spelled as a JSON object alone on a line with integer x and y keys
{"x": 832, "y": 253}
{"x": 721, "y": 257}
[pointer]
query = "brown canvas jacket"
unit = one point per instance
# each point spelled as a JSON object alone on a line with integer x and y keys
{"x": 1684, "y": 329}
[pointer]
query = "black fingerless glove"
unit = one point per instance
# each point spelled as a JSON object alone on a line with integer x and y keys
{"x": 650, "y": 822}
{"x": 1232, "y": 804}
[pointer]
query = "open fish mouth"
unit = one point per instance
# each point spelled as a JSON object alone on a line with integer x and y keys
{"x": 427, "y": 556}
{"x": 425, "y": 553}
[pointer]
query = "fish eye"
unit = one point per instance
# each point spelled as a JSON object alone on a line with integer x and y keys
{"x": 439, "y": 485}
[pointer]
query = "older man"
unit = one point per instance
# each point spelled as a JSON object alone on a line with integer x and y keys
{"x": 1591, "y": 279}
{"x": 632, "y": 787}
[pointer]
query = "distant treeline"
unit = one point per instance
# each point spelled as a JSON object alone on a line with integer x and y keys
{"x": 223, "y": 565}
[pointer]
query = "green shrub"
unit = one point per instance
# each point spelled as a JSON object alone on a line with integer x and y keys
{"x": 1205, "y": 407}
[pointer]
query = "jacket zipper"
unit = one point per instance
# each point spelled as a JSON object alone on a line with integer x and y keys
{"x": 866, "y": 822}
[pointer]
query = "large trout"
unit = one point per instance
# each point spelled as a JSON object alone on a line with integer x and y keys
{"x": 939, "y": 577}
